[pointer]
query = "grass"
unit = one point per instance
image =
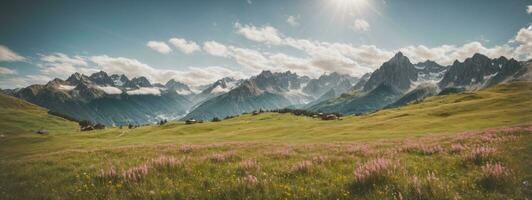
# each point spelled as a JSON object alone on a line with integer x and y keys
{"x": 428, "y": 146}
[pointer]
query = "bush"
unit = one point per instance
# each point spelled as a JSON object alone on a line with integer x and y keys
{"x": 494, "y": 175}
{"x": 372, "y": 173}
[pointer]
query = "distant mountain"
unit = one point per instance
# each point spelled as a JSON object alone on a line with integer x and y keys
{"x": 430, "y": 70}
{"x": 219, "y": 87}
{"x": 361, "y": 82}
{"x": 480, "y": 71}
{"x": 398, "y": 82}
{"x": 338, "y": 83}
{"x": 178, "y": 87}
{"x": 107, "y": 99}
{"x": 265, "y": 91}
{"x": 270, "y": 90}
{"x": 421, "y": 92}
{"x": 360, "y": 101}
{"x": 398, "y": 72}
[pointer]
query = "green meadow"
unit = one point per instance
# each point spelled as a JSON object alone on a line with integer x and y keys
{"x": 475, "y": 145}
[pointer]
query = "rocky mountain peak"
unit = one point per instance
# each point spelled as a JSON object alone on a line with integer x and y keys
{"x": 398, "y": 72}
{"x": 101, "y": 78}
{"x": 140, "y": 81}
{"x": 176, "y": 85}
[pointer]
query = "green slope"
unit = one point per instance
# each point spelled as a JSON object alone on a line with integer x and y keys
{"x": 19, "y": 117}
{"x": 504, "y": 105}
{"x": 63, "y": 165}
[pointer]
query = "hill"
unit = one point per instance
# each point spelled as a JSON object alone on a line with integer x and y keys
{"x": 439, "y": 148}
{"x": 18, "y": 116}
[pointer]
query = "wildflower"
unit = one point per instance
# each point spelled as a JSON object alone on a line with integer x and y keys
{"x": 249, "y": 180}
{"x": 481, "y": 154}
{"x": 373, "y": 171}
{"x": 422, "y": 149}
{"x": 220, "y": 157}
{"x": 248, "y": 165}
{"x": 166, "y": 162}
{"x": 457, "y": 148}
{"x": 108, "y": 174}
{"x": 283, "y": 153}
{"x": 302, "y": 167}
{"x": 136, "y": 173}
{"x": 319, "y": 159}
{"x": 494, "y": 175}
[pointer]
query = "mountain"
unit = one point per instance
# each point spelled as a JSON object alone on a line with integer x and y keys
{"x": 219, "y": 87}
{"x": 270, "y": 90}
{"x": 398, "y": 72}
{"x": 111, "y": 100}
{"x": 338, "y": 83}
{"x": 430, "y": 70}
{"x": 265, "y": 91}
{"x": 398, "y": 82}
{"x": 178, "y": 87}
{"x": 480, "y": 71}
{"x": 361, "y": 82}
{"x": 421, "y": 92}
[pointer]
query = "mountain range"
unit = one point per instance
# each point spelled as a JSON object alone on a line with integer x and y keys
{"x": 398, "y": 82}
{"x": 118, "y": 100}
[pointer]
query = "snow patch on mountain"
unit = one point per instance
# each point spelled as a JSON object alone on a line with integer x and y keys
{"x": 66, "y": 87}
{"x": 109, "y": 89}
{"x": 145, "y": 91}
{"x": 219, "y": 89}
{"x": 183, "y": 92}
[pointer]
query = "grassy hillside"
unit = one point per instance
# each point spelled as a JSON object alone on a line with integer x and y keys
{"x": 18, "y": 117}
{"x": 437, "y": 149}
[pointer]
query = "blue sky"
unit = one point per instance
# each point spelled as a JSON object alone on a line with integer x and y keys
{"x": 46, "y": 39}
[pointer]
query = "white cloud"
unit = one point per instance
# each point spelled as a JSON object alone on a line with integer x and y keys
{"x": 7, "y": 71}
{"x": 135, "y": 68}
{"x": 110, "y": 89}
{"x": 266, "y": 34}
{"x": 160, "y": 47}
{"x": 249, "y": 2}
{"x": 184, "y": 46}
{"x": 215, "y": 48}
{"x": 145, "y": 91}
{"x": 356, "y": 60}
{"x": 8, "y": 55}
{"x": 61, "y": 65}
{"x": 293, "y": 20}
{"x": 360, "y": 25}
{"x": 529, "y": 9}
{"x": 23, "y": 81}
{"x": 524, "y": 40}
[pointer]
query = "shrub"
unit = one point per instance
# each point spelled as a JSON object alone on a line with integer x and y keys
{"x": 302, "y": 167}
{"x": 248, "y": 180}
{"x": 429, "y": 187}
{"x": 372, "y": 173}
{"x": 109, "y": 174}
{"x": 319, "y": 159}
{"x": 423, "y": 149}
{"x": 220, "y": 157}
{"x": 282, "y": 153}
{"x": 481, "y": 154}
{"x": 166, "y": 162}
{"x": 248, "y": 165}
{"x": 457, "y": 148}
{"x": 494, "y": 175}
{"x": 136, "y": 173}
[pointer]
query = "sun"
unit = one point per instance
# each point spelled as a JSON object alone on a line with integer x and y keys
{"x": 348, "y": 6}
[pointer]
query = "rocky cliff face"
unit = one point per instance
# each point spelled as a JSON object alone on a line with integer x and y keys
{"x": 398, "y": 72}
